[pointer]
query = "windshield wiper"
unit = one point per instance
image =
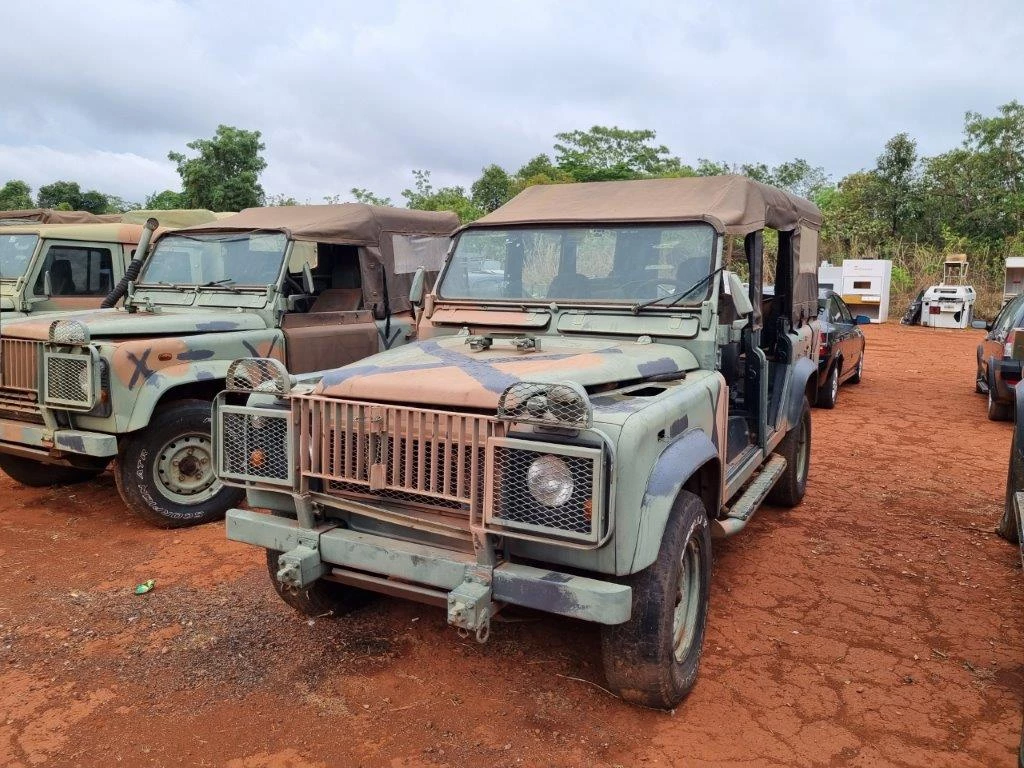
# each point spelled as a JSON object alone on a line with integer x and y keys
{"x": 677, "y": 297}
{"x": 224, "y": 282}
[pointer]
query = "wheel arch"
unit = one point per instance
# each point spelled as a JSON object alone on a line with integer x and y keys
{"x": 804, "y": 384}
{"x": 200, "y": 382}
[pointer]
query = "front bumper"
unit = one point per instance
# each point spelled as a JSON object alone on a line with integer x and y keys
{"x": 36, "y": 441}
{"x": 425, "y": 570}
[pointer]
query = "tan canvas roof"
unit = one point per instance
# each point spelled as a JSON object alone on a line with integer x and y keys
{"x": 735, "y": 205}
{"x": 100, "y": 233}
{"x": 49, "y": 216}
{"x": 347, "y": 223}
{"x": 172, "y": 219}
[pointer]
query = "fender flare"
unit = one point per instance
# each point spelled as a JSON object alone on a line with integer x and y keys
{"x": 153, "y": 391}
{"x": 803, "y": 369}
{"x": 683, "y": 458}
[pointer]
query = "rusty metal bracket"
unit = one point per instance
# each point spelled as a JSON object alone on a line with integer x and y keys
{"x": 470, "y": 606}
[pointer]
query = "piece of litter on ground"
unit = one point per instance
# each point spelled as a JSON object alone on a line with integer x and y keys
{"x": 145, "y": 587}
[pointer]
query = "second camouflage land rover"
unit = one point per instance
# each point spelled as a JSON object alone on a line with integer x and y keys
{"x": 311, "y": 286}
{"x": 591, "y": 399}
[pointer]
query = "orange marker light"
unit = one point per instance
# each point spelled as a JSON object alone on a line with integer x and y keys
{"x": 256, "y": 458}
{"x": 588, "y": 509}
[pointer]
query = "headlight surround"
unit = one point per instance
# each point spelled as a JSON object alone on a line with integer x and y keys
{"x": 69, "y": 332}
{"x": 549, "y": 480}
{"x": 258, "y": 374}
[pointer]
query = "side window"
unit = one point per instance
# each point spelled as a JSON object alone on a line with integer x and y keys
{"x": 76, "y": 271}
{"x": 1006, "y": 319}
{"x": 835, "y": 314}
{"x": 844, "y": 311}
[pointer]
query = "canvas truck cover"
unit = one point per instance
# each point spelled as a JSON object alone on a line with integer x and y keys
{"x": 48, "y": 216}
{"x": 734, "y": 205}
{"x": 103, "y": 233}
{"x": 379, "y": 232}
{"x": 171, "y": 219}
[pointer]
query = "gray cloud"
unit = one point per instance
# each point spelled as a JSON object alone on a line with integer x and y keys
{"x": 347, "y": 95}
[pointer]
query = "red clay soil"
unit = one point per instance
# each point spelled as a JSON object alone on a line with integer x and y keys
{"x": 877, "y": 624}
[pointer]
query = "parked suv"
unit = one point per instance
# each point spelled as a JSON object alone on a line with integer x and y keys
{"x": 310, "y": 286}
{"x": 840, "y": 347}
{"x": 567, "y": 437}
{"x": 999, "y": 360}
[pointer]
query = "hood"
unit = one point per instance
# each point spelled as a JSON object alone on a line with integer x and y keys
{"x": 446, "y": 372}
{"x": 106, "y": 323}
{"x": 6, "y": 303}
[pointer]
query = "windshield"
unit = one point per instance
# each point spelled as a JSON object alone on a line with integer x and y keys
{"x": 16, "y": 254}
{"x": 216, "y": 260}
{"x": 608, "y": 264}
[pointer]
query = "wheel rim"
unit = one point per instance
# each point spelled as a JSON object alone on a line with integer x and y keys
{"x": 835, "y": 384}
{"x": 183, "y": 470}
{"x": 802, "y": 450}
{"x": 684, "y": 617}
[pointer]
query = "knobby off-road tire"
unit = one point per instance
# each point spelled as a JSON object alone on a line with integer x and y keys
{"x": 795, "y": 448}
{"x": 653, "y": 658}
{"x": 858, "y": 372}
{"x": 319, "y": 599}
{"x": 828, "y": 394}
{"x": 165, "y": 471}
{"x": 36, "y": 474}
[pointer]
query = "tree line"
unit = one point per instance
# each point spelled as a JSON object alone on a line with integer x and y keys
{"x": 907, "y": 207}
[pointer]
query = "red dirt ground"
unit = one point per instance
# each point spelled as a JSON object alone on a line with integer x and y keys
{"x": 877, "y": 624}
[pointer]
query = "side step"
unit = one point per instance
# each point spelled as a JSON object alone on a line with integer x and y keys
{"x": 752, "y": 498}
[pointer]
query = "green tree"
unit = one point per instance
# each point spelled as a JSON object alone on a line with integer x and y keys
{"x": 361, "y": 195}
{"x": 168, "y": 200}
{"x": 424, "y": 197}
{"x": 493, "y": 189}
{"x": 603, "y": 153}
{"x": 281, "y": 200}
{"x": 15, "y": 195}
{"x": 707, "y": 167}
{"x": 225, "y": 174}
{"x": 897, "y": 190}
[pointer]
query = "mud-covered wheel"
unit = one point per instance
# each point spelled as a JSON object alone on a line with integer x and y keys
{"x": 36, "y": 474}
{"x": 165, "y": 472}
{"x": 828, "y": 394}
{"x": 321, "y": 598}
{"x": 858, "y": 372}
{"x": 795, "y": 448}
{"x": 997, "y": 411}
{"x": 653, "y": 658}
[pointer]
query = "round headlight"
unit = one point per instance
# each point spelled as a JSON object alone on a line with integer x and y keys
{"x": 549, "y": 481}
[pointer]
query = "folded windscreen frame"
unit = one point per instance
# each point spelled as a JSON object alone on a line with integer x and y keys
{"x": 733, "y": 205}
{"x": 392, "y": 243}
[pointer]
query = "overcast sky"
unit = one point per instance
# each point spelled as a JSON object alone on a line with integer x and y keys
{"x": 356, "y": 94}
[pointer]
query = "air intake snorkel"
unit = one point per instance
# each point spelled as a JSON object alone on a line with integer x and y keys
{"x": 134, "y": 267}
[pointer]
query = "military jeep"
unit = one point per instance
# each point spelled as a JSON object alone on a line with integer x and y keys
{"x": 311, "y": 286}
{"x": 592, "y": 398}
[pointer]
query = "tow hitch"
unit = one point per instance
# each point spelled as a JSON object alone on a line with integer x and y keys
{"x": 470, "y": 607}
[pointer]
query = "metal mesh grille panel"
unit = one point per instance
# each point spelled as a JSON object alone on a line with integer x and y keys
{"x": 19, "y": 365}
{"x": 69, "y": 380}
{"x": 571, "y": 514}
{"x": 427, "y": 458}
{"x": 552, "y": 404}
{"x": 258, "y": 374}
{"x": 254, "y": 445}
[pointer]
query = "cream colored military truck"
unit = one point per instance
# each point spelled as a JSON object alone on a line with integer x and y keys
{"x": 313, "y": 287}
{"x": 592, "y": 398}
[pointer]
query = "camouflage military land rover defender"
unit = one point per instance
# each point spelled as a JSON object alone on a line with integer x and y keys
{"x": 313, "y": 287}
{"x": 592, "y": 397}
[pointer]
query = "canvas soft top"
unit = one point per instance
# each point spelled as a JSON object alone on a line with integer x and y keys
{"x": 346, "y": 223}
{"x": 48, "y": 216}
{"x": 734, "y": 205}
{"x": 102, "y": 233}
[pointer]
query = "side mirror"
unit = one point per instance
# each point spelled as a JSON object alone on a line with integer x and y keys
{"x": 47, "y": 284}
{"x": 417, "y": 286}
{"x": 862, "y": 320}
{"x": 981, "y": 325}
{"x": 307, "y": 279}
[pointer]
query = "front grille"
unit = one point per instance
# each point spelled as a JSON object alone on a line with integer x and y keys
{"x": 20, "y": 406}
{"x": 19, "y": 365}
{"x": 572, "y": 509}
{"x": 406, "y": 455}
{"x": 254, "y": 444}
{"x": 68, "y": 379}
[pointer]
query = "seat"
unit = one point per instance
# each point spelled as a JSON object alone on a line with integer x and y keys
{"x": 61, "y": 281}
{"x": 338, "y": 300}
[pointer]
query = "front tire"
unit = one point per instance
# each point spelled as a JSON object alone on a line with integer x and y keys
{"x": 36, "y": 474}
{"x": 996, "y": 411}
{"x": 321, "y": 598}
{"x": 1008, "y": 526}
{"x": 828, "y": 394}
{"x": 165, "y": 472}
{"x": 653, "y": 658}
{"x": 795, "y": 448}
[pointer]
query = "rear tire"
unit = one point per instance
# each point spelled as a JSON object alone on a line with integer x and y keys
{"x": 165, "y": 471}
{"x": 1008, "y": 527}
{"x": 321, "y": 598}
{"x": 795, "y": 448}
{"x": 829, "y": 393}
{"x": 653, "y": 658}
{"x": 997, "y": 411}
{"x": 36, "y": 474}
